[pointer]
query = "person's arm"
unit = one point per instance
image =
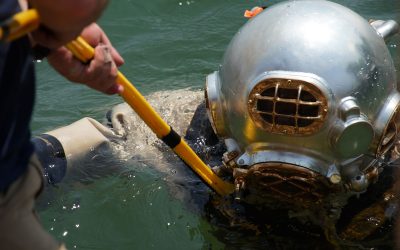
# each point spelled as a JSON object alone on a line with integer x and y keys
{"x": 63, "y": 20}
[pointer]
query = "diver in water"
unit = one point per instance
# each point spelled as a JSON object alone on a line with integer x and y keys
{"x": 303, "y": 112}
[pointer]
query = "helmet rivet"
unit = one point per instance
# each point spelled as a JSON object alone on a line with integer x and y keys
{"x": 335, "y": 178}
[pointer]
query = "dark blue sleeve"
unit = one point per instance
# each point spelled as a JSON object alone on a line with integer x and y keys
{"x": 8, "y": 8}
{"x": 17, "y": 94}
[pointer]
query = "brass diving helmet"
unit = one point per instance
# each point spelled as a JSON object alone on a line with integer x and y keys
{"x": 306, "y": 101}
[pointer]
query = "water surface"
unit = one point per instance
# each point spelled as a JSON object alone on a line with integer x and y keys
{"x": 167, "y": 45}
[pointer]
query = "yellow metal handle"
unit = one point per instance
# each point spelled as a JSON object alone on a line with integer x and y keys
{"x": 84, "y": 52}
{"x": 19, "y": 25}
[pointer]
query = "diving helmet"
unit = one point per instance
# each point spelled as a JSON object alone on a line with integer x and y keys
{"x": 306, "y": 100}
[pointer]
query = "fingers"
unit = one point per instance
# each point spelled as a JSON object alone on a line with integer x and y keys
{"x": 114, "y": 53}
{"x": 119, "y": 61}
{"x": 102, "y": 71}
{"x": 94, "y": 35}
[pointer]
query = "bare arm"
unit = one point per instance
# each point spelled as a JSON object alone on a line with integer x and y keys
{"x": 63, "y": 20}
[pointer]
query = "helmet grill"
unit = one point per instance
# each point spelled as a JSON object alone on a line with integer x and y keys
{"x": 290, "y": 184}
{"x": 287, "y": 106}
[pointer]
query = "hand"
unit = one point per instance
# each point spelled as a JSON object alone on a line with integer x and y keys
{"x": 63, "y": 20}
{"x": 101, "y": 72}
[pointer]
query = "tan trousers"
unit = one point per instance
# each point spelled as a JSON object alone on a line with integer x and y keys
{"x": 20, "y": 228}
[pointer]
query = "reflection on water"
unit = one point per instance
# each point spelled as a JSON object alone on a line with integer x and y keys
{"x": 122, "y": 212}
{"x": 130, "y": 203}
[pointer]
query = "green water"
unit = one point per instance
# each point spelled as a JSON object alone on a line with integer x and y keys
{"x": 166, "y": 45}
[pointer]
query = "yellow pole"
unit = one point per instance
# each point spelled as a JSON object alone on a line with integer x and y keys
{"x": 84, "y": 52}
{"x": 19, "y": 25}
{"x": 25, "y": 22}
